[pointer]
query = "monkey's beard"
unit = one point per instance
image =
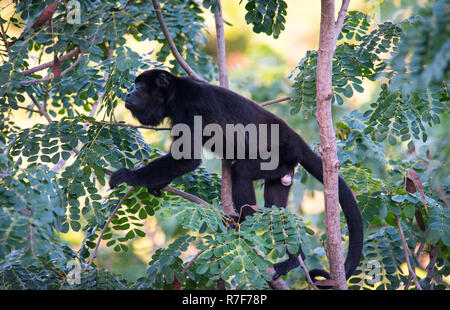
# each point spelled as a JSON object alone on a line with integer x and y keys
{"x": 150, "y": 117}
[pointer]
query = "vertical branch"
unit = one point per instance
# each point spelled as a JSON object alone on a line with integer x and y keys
{"x": 328, "y": 149}
{"x": 226, "y": 194}
{"x": 221, "y": 49}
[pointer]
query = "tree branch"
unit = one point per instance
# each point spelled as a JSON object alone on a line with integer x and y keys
{"x": 189, "y": 264}
{"x": 171, "y": 43}
{"x": 221, "y": 47}
{"x": 106, "y": 226}
{"x": 406, "y": 252}
{"x": 305, "y": 270}
{"x": 4, "y": 38}
{"x": 187, "y": 196}
{"x": 40, "y": 108}
{"x": 340, "y": 20}
{"x": 226, "y": 190}
{"x": 28, "y": 109}
{"x": 50, "y": 78}
{"x": 275, "y": 101}
{"x": 432, "y": 264}
{"x": 49, "y": 64}
{"x": 328, "y": 148}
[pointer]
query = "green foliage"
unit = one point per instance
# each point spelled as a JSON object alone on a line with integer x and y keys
{"x": 266, "y": 16}
{"x": 396, "y": 115}
{"x": 423, "y": 57}
{"x": 31, "y": 208}
{"x": 352, "y": 62}
{"x": 196, "y": 217}
{"x": 380, "y": 266}
{"x": 166, "y": 266}
{"x": 53, "y": 176}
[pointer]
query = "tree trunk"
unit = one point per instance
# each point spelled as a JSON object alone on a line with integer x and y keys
{"x": 328, "y": 150}
{"x": 226, "y": 194}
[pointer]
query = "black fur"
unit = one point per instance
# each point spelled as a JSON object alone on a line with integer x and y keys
{"x": 159, "y": 94}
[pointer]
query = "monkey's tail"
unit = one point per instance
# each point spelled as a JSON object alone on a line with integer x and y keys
{"x": 313, "y": 164}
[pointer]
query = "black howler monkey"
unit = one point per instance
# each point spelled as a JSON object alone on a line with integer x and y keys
{"x": 158, "y": 95}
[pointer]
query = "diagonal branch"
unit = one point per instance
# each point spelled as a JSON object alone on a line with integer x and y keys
{"x": 341, "y": 18}
{"x": 406, "y": 252}
{"x": 46, "y": 65}
{"x": 185, "y": 195}
{"x": 94, "y": 254}
{"x": 286, "y": 98}
{"x": 40, "y": 108}
{"x": 305, "y": 270}
{"x": 50, "y": 78}
{"x": 171, "y": 43}
{"x": 189, "y": 264}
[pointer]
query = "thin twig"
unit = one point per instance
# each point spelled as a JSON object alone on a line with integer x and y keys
{"x": 406, "y": 252}
{"x": 305, "y": 270}
{"x": 189, "y": 264}
{"x": 40, "y": 108}
{"x": 28, "y": 109}
{"x": 286, "y": 98}
{"x": 46, "y": 65}
{"x": 106, "y": 226}
{"x": 171, "y": 43}
{"x": 4, "y": 38}
{"x": 185, "y": 195}
{"x": 432, "y": 264}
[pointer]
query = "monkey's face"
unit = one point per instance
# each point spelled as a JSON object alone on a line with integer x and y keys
{"x": 148, "y": 101}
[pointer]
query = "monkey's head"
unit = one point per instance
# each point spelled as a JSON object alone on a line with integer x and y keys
{"x": 149, "y": 100}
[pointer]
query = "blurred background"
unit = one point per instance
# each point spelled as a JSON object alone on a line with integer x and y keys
{"x": 259, "y": 67}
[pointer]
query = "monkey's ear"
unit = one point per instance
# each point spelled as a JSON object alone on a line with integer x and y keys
{"x": 163, "y": 80}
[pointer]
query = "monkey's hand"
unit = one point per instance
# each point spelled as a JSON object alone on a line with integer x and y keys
{"x": 119, "y": 176}
{"x": 155, "y": 190}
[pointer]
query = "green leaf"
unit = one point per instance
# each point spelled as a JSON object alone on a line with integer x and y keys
{"x": 348, "y": 91}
